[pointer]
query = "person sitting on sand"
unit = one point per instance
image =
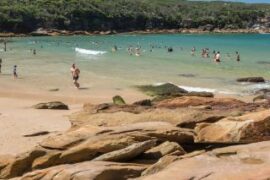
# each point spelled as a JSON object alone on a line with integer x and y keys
{"x": 15, "y": 75}
{"x": 217, "y": 57}
{"x": 75, "y": 75}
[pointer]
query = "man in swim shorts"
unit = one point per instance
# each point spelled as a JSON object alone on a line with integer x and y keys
{"x": 75, "y": 72}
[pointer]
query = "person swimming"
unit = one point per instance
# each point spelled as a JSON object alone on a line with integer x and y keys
{"x": 170, "y": 49}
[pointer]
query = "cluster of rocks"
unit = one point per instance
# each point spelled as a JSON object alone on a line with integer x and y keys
{"x": 179, "y": 136}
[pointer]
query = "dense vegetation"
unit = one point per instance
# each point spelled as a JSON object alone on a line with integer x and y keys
{"x": 125, "y": 15}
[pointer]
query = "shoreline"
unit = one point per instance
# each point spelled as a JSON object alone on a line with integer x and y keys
{"x": 56, "y": 32}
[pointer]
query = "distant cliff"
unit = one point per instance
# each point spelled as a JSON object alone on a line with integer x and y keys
{"x": 24, "y": 16}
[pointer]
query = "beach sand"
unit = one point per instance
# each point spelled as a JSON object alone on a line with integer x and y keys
{"x": 18, "y": 118}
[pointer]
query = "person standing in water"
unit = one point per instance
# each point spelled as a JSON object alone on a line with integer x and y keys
{"x": 217, "y": 57}
{"x": 237, "y": 56}
{"x": 193, "y": 51}
{"x": 5, "y": 46}
{"x": 15, "y": 75}
{"x": 75, "y": 72}
{"x": 114, "y": 49}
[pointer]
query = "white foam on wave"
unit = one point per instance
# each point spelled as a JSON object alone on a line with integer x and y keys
{"x": 198, "y": 89}
{"x": 89, "y": 52}
{"x": 258, "y": 86}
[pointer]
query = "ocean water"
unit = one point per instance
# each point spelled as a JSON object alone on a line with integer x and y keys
{"x": 102, "y": 68}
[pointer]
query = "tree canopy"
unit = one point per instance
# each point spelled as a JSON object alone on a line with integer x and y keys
{"x": 125, "y": 15}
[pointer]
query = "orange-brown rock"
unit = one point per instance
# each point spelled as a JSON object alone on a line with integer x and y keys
{"x": 234, "y": 163}
{"x": 252, "y": 127}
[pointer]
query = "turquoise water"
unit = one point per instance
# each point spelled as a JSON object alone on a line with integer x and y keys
{"x": 50, "y": 67}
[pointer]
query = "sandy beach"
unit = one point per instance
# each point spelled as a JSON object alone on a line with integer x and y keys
{"x": 18, "y": 118}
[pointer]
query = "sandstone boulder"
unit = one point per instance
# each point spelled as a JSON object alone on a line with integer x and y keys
{"x": 163, "y": 149}
{"x": 166, "y": 161}
{"x": 87, "y": 170}
{"x": 236, "y": 162}
{"x": 252, "y": 127}
{"x": 252, "y": 79}
{"x": 127, "y": 153}
{"x": 215, "y": 103}
{"x": 51, "y": 105}
{"x": 161, "y": 90}
{"x": 145, "y": 102}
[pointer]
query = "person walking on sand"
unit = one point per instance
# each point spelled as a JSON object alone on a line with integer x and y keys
{"x": 15, "y": 75}
{"x": 75, "y": 72}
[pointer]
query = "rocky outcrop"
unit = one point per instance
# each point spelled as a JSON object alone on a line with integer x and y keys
{"x": 248, "y": 128}
{"x": 164, "y": 149}
{"x": 252, "y": 79}
{"x": 40, "y": 32}
{"x": 166, "y": 89}
{"x": 151, "y": 135}
{"x": 127, "y": 153}
{"x": 235, "y": 162}
{"x": 51, "y": 105}
{"x": 215, "y": 103}
{"x": 86, "y": 143}
{"x": 166, "y": 161}
{"x": 145, "y": 102}
{"x": 88, "y": 170}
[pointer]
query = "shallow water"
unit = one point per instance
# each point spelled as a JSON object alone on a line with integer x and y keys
{"x": 50, "y": 67}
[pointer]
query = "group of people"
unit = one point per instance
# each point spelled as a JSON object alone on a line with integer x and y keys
{"x": 205, "y": 53}
{"x": 134, "y": 51}
{"x": 15, "y": 75}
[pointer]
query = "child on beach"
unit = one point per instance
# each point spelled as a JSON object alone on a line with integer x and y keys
{"x": 15, "y": 75}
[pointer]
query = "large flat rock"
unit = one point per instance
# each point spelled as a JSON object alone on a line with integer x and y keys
{"x": 252, "y": 127}
{"x": 234, "y": 163}
{"x": 87, "y": 171}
